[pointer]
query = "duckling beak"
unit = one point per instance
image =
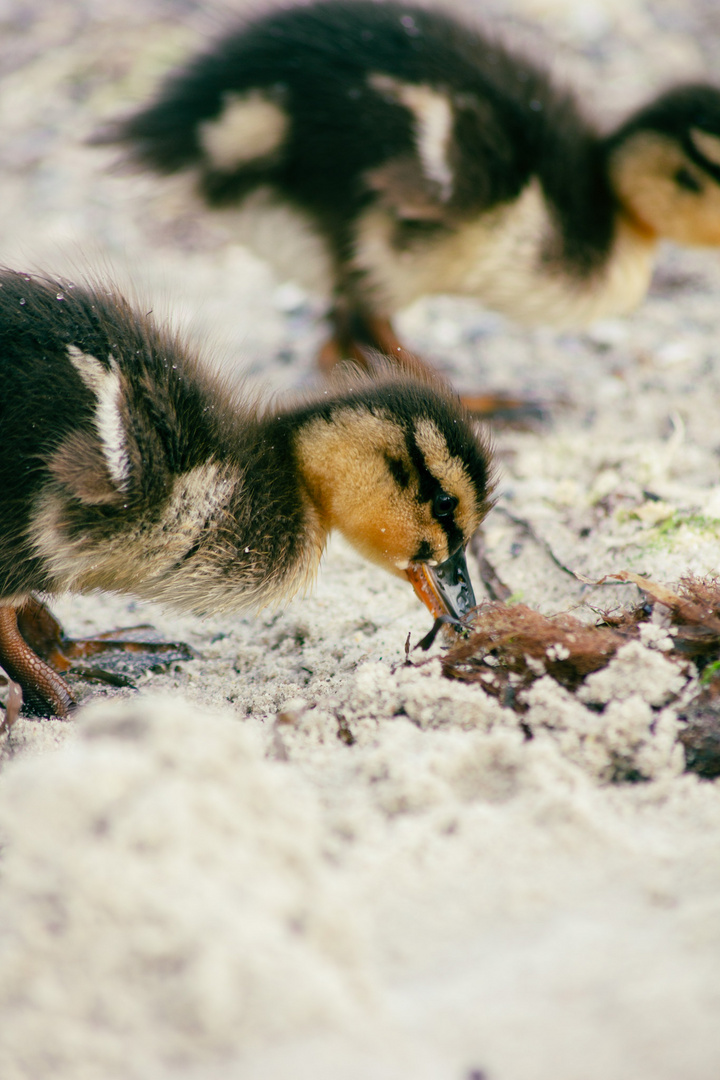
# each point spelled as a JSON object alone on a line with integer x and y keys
{"x": 444, "y": 589}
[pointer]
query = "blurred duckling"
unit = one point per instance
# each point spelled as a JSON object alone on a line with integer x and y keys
{"x": 429, "y": 159}
{"x": 128, "y": 466}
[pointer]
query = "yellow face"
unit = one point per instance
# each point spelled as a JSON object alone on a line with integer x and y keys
{"x": 362, "y": 478}
{"x": 664, "y": 191}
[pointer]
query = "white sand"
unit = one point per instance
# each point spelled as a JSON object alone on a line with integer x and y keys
{"x": 202, "y": 880}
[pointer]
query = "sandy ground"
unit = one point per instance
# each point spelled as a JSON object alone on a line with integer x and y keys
{"x": 293, "y": 855}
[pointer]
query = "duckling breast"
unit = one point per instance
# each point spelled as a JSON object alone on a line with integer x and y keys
{"x": 507, "y": 257}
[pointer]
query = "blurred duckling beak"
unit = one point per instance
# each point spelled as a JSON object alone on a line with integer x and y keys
{"x": 445, "y": 589}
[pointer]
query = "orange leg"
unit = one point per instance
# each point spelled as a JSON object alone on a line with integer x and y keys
{"x": 44, "y": 692}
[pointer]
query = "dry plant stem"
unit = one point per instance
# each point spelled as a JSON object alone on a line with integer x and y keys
{"x": 43, "y": 688}
{"x": 494, "y": 586}
{"x": 525, "y": 525}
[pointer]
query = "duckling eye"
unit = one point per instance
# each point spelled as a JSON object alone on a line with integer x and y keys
{"x": 444, "y": 504}
{"x": 685, "y": 179}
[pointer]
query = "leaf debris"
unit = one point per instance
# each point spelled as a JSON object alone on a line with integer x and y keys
{"x": 509, "y": 648}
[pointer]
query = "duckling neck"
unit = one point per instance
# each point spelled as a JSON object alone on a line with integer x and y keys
{"x": 266, "y": 542}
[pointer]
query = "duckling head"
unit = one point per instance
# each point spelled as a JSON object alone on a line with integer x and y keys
{"x": 405, "y": 475}
{"x": 664, "y": 166}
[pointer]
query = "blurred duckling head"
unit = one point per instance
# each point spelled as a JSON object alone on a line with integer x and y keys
{"x": 405, "y": 475}
{"x": 665, "y": 166}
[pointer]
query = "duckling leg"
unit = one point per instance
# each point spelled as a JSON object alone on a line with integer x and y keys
{"x": 44, "y": 692}
{"x": 34, "y": 648}
{"x": 356, "y": 334}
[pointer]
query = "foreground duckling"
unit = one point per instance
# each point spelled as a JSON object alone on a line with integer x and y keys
{"x": 430, "y": 159}
{"x": 127, "y": 466}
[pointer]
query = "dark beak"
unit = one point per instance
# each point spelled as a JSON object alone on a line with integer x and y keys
{"x": 444, "y": 589}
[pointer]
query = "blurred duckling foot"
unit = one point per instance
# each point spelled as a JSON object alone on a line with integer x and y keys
{"x": 506, "y": 410}
{"x": 361, "y": 336}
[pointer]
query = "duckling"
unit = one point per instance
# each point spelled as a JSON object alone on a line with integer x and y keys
{"x": 127, "y": 465}
{"x": 429, "y": 158}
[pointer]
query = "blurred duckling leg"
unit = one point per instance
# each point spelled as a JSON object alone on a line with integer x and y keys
{"x": 44, "y": 691}
{"x": 357, "y": 335}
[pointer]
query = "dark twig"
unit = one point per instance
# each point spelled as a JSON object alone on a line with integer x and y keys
{"x": 494, "y": 586}
{"x": 529, "y": 530}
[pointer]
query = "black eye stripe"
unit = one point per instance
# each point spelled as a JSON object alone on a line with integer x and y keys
{"x": 427, "y": 484}
{"x": 705, "y": 164}
{"x": 685, "y": 179}
{"x": 398, "y": 471}
{"x": 428, "y": 488}
{"x": 424, "y": 552}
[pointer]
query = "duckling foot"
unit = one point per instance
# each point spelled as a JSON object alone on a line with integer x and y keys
{"x": 44, "y": 691}
{"x": 34, "y": 649}
{"x": 502, "y": 409}
{"x": 360, "y": 336}
{"x": 43, "y": 632}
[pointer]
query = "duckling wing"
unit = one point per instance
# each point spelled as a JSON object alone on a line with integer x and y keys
{"x": 93, "y": 397}
{"x": 333, "y": 101}
{"x": 461, "y": 163}
{"x": 47, "y": 414}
